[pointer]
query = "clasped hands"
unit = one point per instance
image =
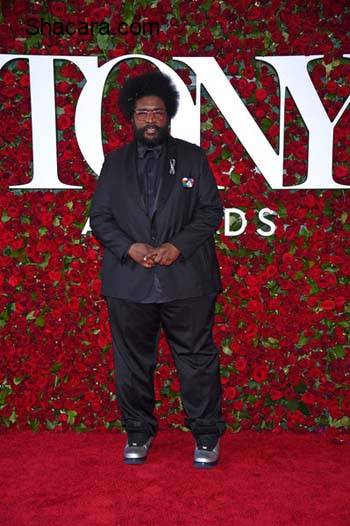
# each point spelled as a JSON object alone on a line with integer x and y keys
{"x": 148, "y": 256}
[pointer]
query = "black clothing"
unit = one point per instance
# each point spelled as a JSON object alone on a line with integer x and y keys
{"x": 187, "y": 214}
{"x": 150, "y": 165}
{"x": 187, "y": 324}
{"x": 170, "y": 198}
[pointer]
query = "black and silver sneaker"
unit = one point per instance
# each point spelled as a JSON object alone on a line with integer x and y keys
{"x": 207, "y": 449}
{"x": 136, "y": 448}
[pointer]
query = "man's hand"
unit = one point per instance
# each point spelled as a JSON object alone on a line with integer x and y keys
{"x": 166, "y": 254}
{"x": 138, "y": 252}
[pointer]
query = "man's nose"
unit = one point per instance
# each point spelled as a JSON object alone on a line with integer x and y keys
{"x": 150, "y": 117}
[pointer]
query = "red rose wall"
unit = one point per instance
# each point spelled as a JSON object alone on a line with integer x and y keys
{"x": 282, "y": 322}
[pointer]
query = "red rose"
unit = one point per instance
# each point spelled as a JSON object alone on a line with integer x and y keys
{"x": 254, "y": 12}
{"x": 275, "y": 394}
{"x": 261, "y": 95}
{"x": 230, "y": 393}
{"x": 328, "y": 305}
{"x": 175, "y": 385}
{"x": 259, "y": 373}
{"x": 241, "y": 363}
{"x": 14, "y": 280}
{"x": 58, "y": 9}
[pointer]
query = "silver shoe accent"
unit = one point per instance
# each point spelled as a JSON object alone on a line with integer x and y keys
{"x": 206, "y": 458}
{"x": 134, "y": 454}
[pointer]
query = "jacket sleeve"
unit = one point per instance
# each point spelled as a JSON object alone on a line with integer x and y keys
{"x": 102, "y": 222}
{"x": 207, "y": 216}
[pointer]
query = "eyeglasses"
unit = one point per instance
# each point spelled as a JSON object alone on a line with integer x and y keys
{"x": 143, "y": 114}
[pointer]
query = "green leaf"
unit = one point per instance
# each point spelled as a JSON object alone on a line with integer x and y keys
{"x": 4, "y": 391}
{"x": 56, "y": 367}
{"x": 5, "y": 217}
{"x": 42, "y": 230}
{"x": 329, "y": 67}
{"x": 335, "y": 352}
{"x": 33, "y": 41}
{"x": 343, "y": 217}
{"x": 235, "y": 177}
{"x": 13, "y": 417}
{"x": 225, "y": 154}
{"x": 4, "y": 317}
{"x": 304, "y": 408}
{"x": 251, "y": 398}
{"x": 206, "y": 5}
{"x": 216, "y": 31}
{"x": 272, "y": 342}
{"x": 30, "y": 315}
{"x": 50, "y": 425}
{"x": 44, "y": 263}
{"x": 34, "y": 424}
{"x": 128, "y": 12}
{"x": 175, "y": 10}
{"x": 265, "y": 124}
{"x": 302, "y": 340}
{"x": 300, "y": 388}
{"x": 218, "y": 308}
{"x": 40, "y": 321}
{"x": 314, "y": 287}
{"x": 282, "y": 211}
{"x": 82, "y": 321}
{"x": 342, "y": 422}
{"x": 292, "y": 405}
{"x": 71, "y": 416}
{"x": 81, "y": 427}
{"x": 103, "y": 41}
{"x": 317, "y": 334}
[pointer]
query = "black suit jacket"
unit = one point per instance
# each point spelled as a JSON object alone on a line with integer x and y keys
{"x": 187, "y": 217}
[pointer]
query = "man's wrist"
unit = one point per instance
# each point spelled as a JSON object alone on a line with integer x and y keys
{"x": 126, "y": 253}
{"x": 180, "y": 255}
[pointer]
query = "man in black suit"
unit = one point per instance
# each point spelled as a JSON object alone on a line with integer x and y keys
{"x": 155, "y": 210}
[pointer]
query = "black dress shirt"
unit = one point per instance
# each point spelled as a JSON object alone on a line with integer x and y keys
{"x": 150, "y": 162}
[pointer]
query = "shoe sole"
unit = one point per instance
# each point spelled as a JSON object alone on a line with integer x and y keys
{"x": 134, "y": 460}
{"x": 205, "y": 464}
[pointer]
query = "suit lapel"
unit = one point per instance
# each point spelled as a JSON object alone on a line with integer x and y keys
{"x": 132, "y": 179}
{"x": 168, "y": 175}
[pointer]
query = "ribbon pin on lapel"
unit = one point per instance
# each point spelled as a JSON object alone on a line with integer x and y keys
{"x": 172, "y": 167}
{"x": 187, "y": 182}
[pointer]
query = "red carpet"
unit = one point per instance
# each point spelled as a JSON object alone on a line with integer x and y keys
{"x": 272, "y": 479}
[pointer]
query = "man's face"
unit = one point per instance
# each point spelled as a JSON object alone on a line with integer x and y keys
{"x": 150, "y": 128}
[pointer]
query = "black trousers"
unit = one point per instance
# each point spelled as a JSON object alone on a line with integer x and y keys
{"x": 187, "y": 324}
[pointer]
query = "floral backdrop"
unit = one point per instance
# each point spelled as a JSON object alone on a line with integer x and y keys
{"x": 282, "y": 322}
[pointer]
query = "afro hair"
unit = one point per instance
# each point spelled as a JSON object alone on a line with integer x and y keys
{"x": 151, "y": 83}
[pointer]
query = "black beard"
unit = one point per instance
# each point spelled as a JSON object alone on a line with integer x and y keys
{"x": 159, "y": 138}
